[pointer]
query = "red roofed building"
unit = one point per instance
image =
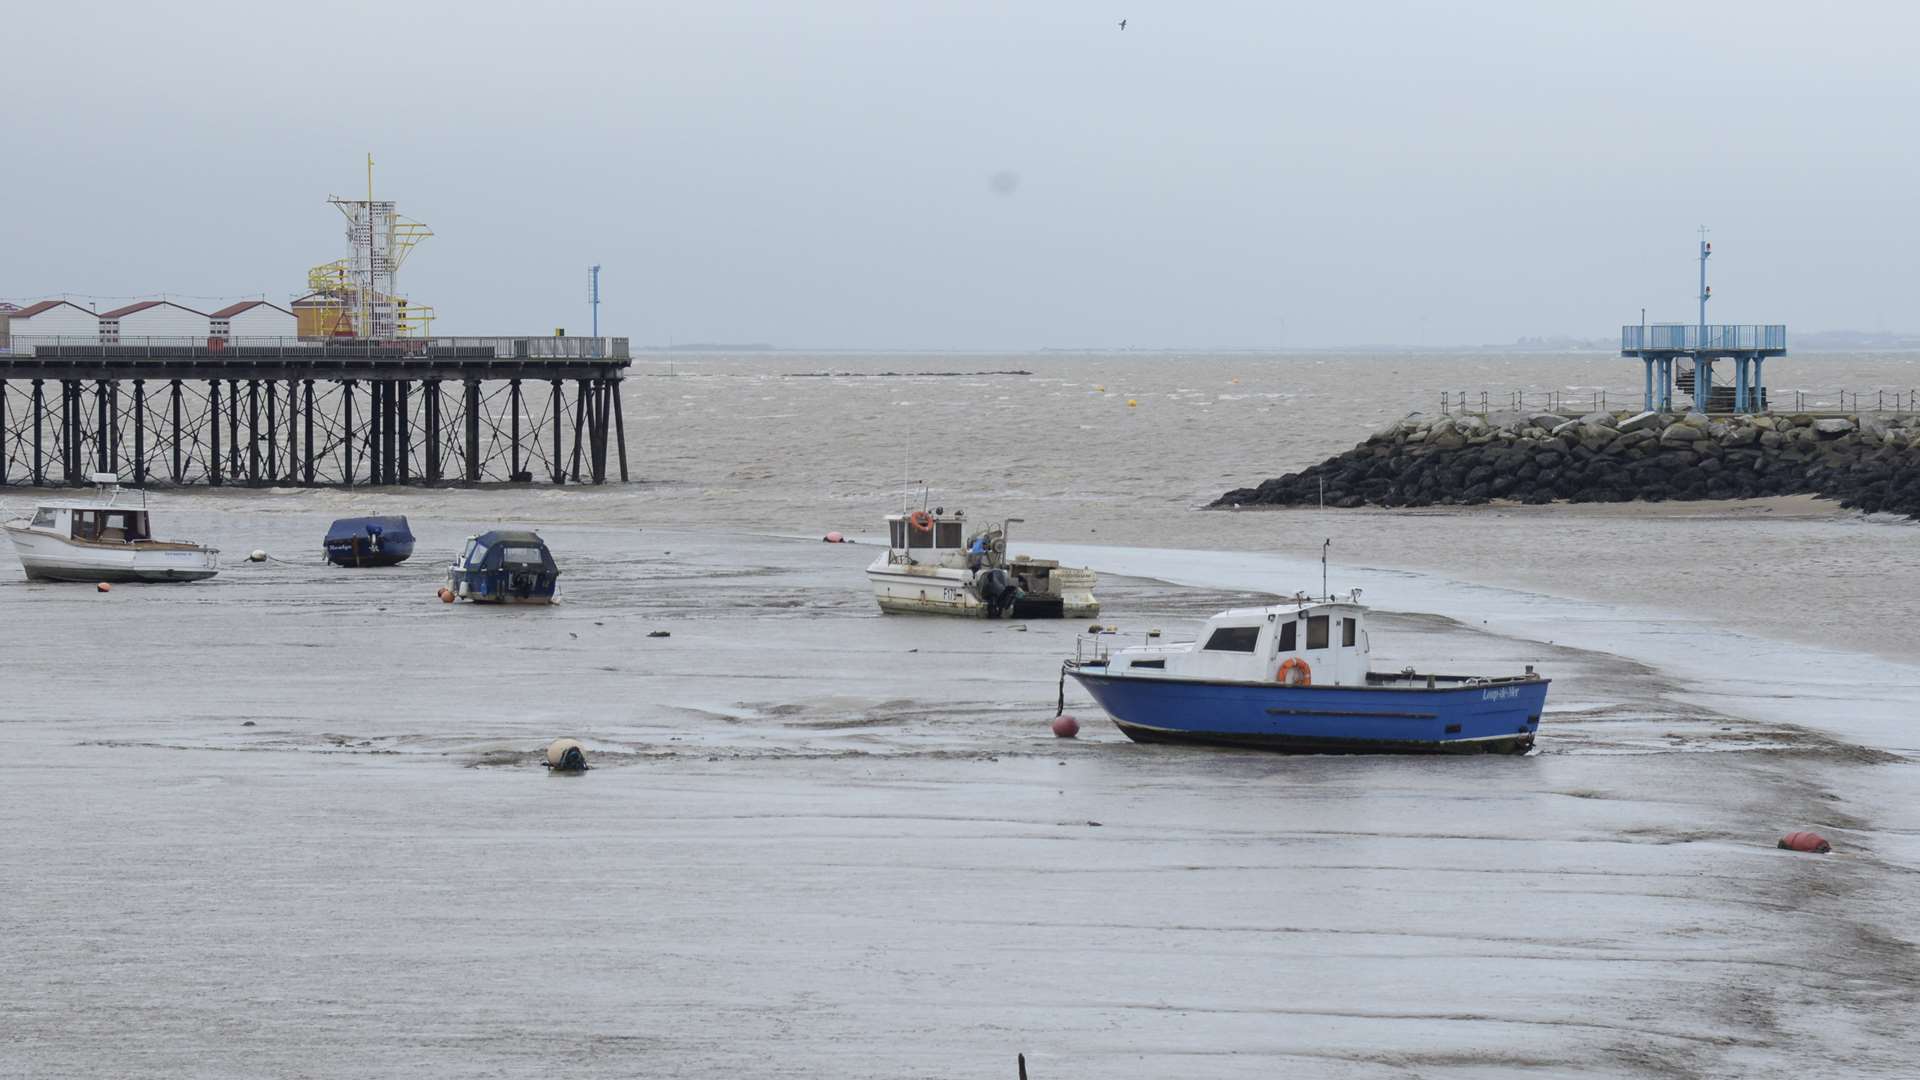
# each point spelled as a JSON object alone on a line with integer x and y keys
{"x": 152, "y": 319}
{"x": 254, "y": 319}
{"x": 50, "y": 319}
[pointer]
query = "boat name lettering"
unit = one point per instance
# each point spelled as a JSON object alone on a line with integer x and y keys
{"x": 1501, "y": 694}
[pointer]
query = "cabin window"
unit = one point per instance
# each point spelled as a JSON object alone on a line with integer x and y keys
{"x": 43, "y": 519}
{"x": 1347, "y": 627}
{"x": 86, "y": 526}
{"x": 1317, "y": 631}
{"x": 521, "y": 557}
{"x": 476, "y": 554}
{"x": 898, "y": 529}
{"x": 948, "y": 533}
{"x": 1234, "y": 639}
{"x": 1289, "y": 641}
{"x": 918, "y": 539}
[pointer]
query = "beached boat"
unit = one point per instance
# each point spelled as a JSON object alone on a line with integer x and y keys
{"x": 105, "y": 539}
{"x": 369, "y": 541}
{"x": 1296, "y": 676}
{"x": 934, "y": 566}
{"x": 505, "y": 566}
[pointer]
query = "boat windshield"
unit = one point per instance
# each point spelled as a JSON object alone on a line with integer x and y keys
{"x": 44, "y": 518}
{"x": 476, "y": 552}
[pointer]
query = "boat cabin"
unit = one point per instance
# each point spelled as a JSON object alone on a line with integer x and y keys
{"x": 91, "y": 524}
{"x": 506, "y": 566}
{"x": 929, "y": 537}
{"x": 1327, "y": 636}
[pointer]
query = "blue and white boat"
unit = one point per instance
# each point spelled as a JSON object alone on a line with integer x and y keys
{"x": 1296, "y": 677}
{"x": 505, "y": 566}
{"x": 369, "y": 541}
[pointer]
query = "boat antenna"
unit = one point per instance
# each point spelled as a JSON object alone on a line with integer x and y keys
{"x": 1323, "y": 568}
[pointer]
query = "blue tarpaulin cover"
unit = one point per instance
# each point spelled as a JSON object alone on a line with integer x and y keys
{"x": 390, "y": 529}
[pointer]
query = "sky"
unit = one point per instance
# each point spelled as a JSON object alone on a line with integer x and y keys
{"x": 985, "y": 175}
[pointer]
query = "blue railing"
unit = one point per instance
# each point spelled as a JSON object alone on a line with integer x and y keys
{"x": 1685, "y": 337}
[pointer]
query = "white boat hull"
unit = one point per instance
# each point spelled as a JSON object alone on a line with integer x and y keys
{"x": 47, "y": 557}
{"x": 902, "y": 589}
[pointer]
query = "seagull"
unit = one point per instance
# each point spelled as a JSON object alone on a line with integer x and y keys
{"x": 1123, "y": 24}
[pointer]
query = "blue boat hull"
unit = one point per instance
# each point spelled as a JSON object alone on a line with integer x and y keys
{"x": 1461, "y": 718}
{"x": 358, "y": 552}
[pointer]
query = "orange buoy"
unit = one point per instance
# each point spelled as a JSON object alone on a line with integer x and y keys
{"x": 1805, "y": 841}
{"x": 103, "y": 587}
{"x": 921, "y": 521}
{"x": 1294, "y": 672}
{"x": 834, "y": 538}
{"x": 445, "y": 594}
{"x": 1065, "y": 727}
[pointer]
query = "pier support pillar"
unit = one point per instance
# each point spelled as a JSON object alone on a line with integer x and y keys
{"x": 513, "y": 411}
{"x": 579, "y": 419}
{"x": 306, "y": 470}
{"x": 430, "y": 409}
{"x": 233, "y": 429}
{"x": 403, "y": 431}
{"x": 253, "y": 431}
{"x": 1759, "y": 388}
{"x": 140, "y": 432}
{"x": 179, "y": 463}
{"x": 346, "y": 426}
{"x": 559, "y": 466}
{"x": 100, "y": 439}
{"x": 1702, "y": 384}
{"x": 39, "y": 419}
{"x": 213, "y": 432}
{"x": 620, "y": 428}
{"x": 473, "y": 430}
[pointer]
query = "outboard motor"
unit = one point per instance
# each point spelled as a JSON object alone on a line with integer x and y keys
{"x": 997, "y": 590}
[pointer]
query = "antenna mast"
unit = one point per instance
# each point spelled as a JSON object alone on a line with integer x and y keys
{"x": 593, "y": 295}
{"x": 1323, "y": 568}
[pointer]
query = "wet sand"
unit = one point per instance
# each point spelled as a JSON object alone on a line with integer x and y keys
{"x": 823, "y": 842}
{"x": 820, "y": 842}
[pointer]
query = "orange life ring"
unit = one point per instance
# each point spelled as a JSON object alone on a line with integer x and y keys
{"x": 1287, "y": 669}
{"x": 921, "y": 521}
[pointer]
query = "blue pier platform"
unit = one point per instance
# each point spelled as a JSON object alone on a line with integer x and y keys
{"x": 1749, "y": 346}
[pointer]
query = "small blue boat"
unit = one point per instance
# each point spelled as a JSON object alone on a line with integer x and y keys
{"x": 505, "y": 566}
{"x": 369, "y": 541}
{"x": 1296, "y": 677}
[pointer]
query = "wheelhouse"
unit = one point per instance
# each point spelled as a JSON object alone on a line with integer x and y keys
{"x": 1324, "y": 640}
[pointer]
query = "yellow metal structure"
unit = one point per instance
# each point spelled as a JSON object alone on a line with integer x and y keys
{"x": 355, "y": 296}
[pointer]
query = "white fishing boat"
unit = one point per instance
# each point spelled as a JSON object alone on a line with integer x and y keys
{"x": 933, "y": 566}
{"x": 103, "y": 540}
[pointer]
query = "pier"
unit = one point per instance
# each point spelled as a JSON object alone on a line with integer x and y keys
{"x": 433, "y": 411}
{"x": 1748, "y": 346}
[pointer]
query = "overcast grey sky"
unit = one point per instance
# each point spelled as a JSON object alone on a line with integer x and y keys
{"x": 824, "y": 174}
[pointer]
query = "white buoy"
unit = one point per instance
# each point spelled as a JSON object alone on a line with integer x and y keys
{"x": 566, "y": 755}
{"x": 256, "y": 555}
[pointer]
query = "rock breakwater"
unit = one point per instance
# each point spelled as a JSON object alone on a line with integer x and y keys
{"x": 1868, "y": 462}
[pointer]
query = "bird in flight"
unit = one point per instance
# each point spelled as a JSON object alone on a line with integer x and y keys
{"x": 1123, "y": 24}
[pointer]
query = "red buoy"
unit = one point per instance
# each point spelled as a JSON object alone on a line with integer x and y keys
{"x": 103, "y": 587}
{"x": 1065, "y": 727}
{"x": 834, "y": 538}
{"x": 445, "y": 594}
{"x": 1806, "y": 841}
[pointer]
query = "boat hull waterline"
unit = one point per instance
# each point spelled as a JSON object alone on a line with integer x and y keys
{"x": 45, "y": 557}
{"x": 1498, "y": 716}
